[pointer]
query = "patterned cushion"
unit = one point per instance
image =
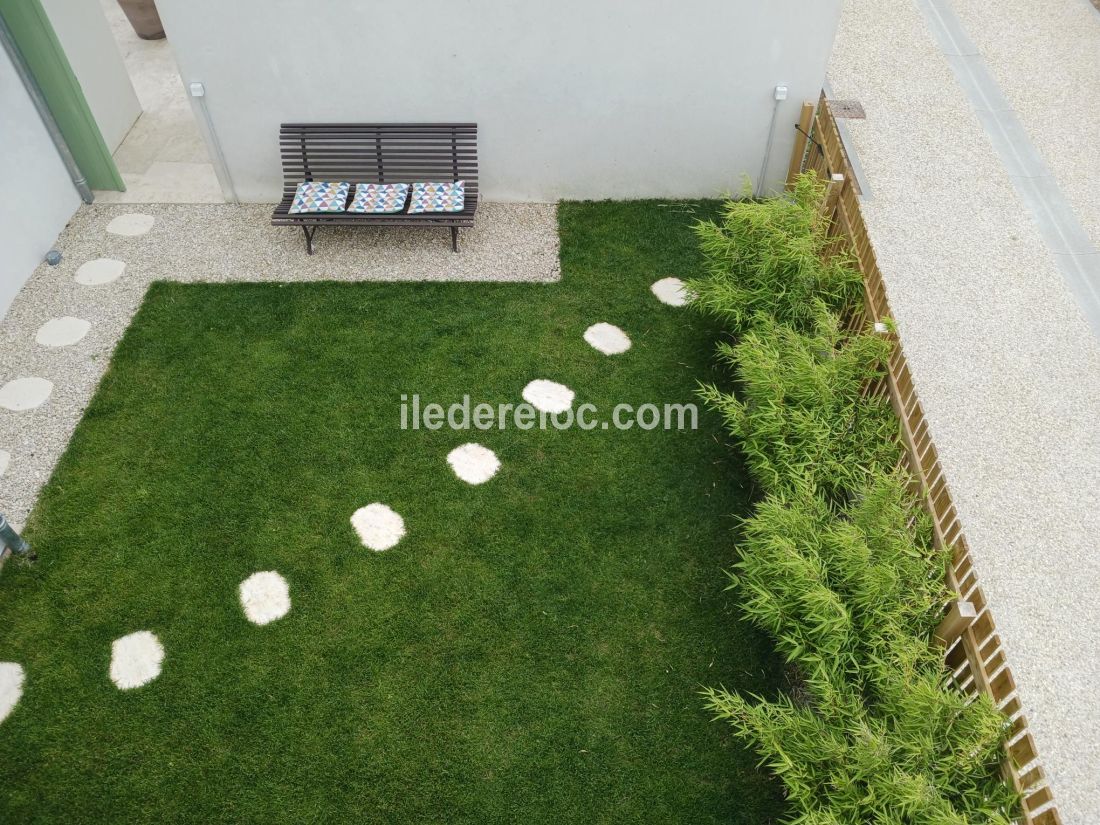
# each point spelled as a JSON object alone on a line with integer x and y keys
{"x": 438, "y": 197}
{"x": 318, "y": 196}
{"x": 379, "y": 198}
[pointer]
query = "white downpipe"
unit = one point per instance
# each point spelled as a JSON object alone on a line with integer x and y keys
{"x": 779, "y": 95}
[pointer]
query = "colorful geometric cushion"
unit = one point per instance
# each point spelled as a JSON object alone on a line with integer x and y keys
{"x": 438, "y": 197}
{"x": 379, "y": 198}
{"x": 319, "y": 196}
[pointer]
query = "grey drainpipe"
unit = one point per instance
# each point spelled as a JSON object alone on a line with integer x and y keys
{"x": 24, "y": 72}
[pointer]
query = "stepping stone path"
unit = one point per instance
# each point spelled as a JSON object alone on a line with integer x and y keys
{"x": 62, "y": 332}
{"x": 25, "y": 393}
{"x": 607, "y": 338}
{"x": 98, "y": 272}
{"x": 379, "y": 527}
{"x": 265, "y": 597}
{"x": 670, "y": 291}
{"x": 135, "y": 660}
{"x": 11, "y": 687}
{"x": 473, "y": 463}
{"x": 548, "y": 396}
{"x": 131, "y": 224}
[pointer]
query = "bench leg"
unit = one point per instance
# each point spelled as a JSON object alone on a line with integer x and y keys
{"x": 454, "y": 239}
{"x": 309, "y": 230}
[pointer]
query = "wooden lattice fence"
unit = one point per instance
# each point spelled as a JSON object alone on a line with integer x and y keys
{"x": 973, "y": 649}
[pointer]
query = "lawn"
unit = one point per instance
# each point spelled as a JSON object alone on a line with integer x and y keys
{"x": 531, "y": 651}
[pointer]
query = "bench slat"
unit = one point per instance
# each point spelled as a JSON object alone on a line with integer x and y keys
{"x": 366, "y": 174}
{"x": 378, "y": 127}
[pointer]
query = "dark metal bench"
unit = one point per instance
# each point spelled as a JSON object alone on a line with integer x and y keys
{"x": 377, "y": 153}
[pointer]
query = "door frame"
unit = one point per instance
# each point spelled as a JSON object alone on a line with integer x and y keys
{"x": 38, "y": 43}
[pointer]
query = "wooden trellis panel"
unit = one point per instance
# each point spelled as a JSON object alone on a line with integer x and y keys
{"x": 975, "y": 658}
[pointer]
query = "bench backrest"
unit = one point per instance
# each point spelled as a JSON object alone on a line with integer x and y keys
{"x": 379, "y": 153}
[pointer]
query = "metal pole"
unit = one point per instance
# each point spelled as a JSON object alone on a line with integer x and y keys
{"x": 198, "y": 91}
{"x": 13, "y": 541}
{"x": 31, "y": 85}
{"x": 779, "y": 94}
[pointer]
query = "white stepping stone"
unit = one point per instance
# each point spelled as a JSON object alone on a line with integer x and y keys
{"x": 473, "y": 463}
{"x": 11, "y": 687}
{"x": 98, "y": 272}
{"x": 671, "y": 291}
{"x": 62, "y": 332}
{"x": 607, "y": 338}
{"x": 5, "y": 460}
{"x": 265, "y": 597}
{"x": 548, "y": 396}
{"x": 135, "y": 660}
{"x": 131, "y": 224}
{"x": 25, "y": 393}
{"x": 379, "y": 527}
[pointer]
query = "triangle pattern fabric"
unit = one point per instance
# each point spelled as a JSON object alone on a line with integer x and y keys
{"x": 438, "y": 197}
{"x": 379, "y": 198}
{"x": 320, "y": 196}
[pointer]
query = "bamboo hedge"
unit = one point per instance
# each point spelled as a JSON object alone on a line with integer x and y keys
{"x": 837, "y": 561}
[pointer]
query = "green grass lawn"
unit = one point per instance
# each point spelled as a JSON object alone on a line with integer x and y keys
{"x": 531, "y": 651}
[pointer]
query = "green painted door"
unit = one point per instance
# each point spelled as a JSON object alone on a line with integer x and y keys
{"x": 41, "y": 49}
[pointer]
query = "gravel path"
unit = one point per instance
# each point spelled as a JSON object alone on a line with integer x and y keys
{"x": 213, "y": 243}
{"x": 1005, "y": 365}
{"x": 1046, "y": 59}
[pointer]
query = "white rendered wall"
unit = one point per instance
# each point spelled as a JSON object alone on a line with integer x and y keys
{"x": 574, "y": 98}
{"x": 38, "y": 195}
{"x": 93, "y": 54}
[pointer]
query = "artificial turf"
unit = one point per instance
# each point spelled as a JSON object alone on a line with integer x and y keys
{"x": 531, "y": 651}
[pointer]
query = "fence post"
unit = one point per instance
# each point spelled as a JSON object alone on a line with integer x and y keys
{"x": 832, "y": 193}
{"x": 959, "y": 617}
{"x": 805, "y": 121}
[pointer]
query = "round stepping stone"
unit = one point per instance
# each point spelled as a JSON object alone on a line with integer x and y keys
{"x": 548, "y": 396}
{"x": 379, "y": 527}
{"x": 5, "y": 460}
{"x": 135, "y": 660}
{"x": 61, "y": 332}
{"x": 670, "y": 291}
{"x": 11, "y": 687}
{"x": 25, "y": 393}
{"x": 265, "y": 597}
{"x": 100, "y": 271}
{"x": 607, "y": 338}
{"x": 473, "y": 463}
{"x": 131, "y": 224}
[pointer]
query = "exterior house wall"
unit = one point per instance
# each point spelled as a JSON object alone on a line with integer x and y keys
{"x": 93, "y": 54}
{"x": 575, "y": 98}
{"x": 34, "y": 185}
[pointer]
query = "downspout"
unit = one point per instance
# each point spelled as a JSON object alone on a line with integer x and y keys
{"x": 779, "y": 94}
{"x": 31, "y": 85}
